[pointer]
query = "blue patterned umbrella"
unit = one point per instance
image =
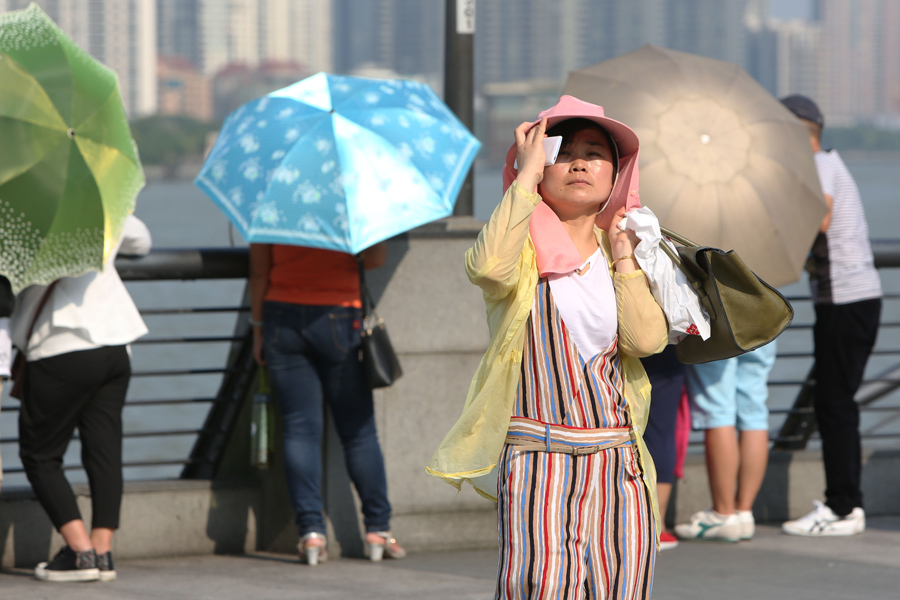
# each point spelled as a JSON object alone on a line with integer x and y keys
{"x": 338, "y": 162}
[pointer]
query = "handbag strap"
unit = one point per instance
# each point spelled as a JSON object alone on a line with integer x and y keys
{"x": 37, "y": 313}
{"x": 368, "y": 307}
{"x": 677, "y": 237}
{"x": 696, "y": 282}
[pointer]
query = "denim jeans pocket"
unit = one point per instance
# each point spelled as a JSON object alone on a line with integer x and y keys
{"x": 271, "y": 324}
{"x": 346, "y": 324}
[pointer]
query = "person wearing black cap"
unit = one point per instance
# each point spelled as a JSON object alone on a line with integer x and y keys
{"x": 847, "y": 295}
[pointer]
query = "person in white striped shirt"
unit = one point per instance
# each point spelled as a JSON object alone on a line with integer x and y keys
{"x": 847, "y": 294}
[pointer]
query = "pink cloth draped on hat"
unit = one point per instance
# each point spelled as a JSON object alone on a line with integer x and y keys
{"x": 555, "y": 252}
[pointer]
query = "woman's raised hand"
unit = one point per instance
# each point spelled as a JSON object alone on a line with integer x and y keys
{"x": 530, "y": 154}
{"x": 622, "y": 243}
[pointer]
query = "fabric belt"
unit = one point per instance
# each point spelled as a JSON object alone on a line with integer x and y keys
{"x": 531, "y": 435}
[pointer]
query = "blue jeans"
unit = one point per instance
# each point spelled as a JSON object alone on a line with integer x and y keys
{"x": 313, "y": 355}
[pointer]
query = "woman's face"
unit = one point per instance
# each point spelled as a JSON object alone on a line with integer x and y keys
{"x": 582, "y": 177}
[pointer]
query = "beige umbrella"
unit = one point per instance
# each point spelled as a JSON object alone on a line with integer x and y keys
{"x": 722, "y": 161}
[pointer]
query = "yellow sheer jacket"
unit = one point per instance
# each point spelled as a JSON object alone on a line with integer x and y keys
{"x": 502, "y": 263}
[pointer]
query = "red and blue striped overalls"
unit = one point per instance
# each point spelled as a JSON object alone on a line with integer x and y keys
{"x": 574, "y": 515}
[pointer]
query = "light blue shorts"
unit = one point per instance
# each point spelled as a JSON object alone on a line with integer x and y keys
{"x": 731, "y": 392}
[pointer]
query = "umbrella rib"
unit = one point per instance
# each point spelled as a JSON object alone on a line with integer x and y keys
{"x": 38, "y": 160}
{"x": 110, "y": 98}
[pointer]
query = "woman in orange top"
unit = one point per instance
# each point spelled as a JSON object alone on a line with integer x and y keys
{"x": 307, "y": 317}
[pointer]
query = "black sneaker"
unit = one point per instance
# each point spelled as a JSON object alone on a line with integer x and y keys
{"x": 106, "y": 567}
{"x": 69, "y": 565}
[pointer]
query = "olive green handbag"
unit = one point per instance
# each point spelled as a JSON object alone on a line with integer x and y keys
{"x": 745, "y": 312}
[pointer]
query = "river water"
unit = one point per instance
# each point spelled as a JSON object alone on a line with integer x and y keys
{"x": 181, "y": 216}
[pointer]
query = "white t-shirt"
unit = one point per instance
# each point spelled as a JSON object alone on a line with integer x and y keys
{"x": 844, "y": 267}
{"x": 587, "y": 305}
{"x": 85, "y": 312}
{"x": 5, "y": 347}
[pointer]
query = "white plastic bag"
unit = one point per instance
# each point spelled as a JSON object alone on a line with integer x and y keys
{"x": 670, "y": 287}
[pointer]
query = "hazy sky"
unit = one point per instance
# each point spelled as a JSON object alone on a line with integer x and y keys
{"x": 790, "y": 9}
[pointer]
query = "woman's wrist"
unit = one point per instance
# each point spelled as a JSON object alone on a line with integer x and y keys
{"x": 530, "y": 181}
{"x": 625, "y": 264}
{"x": 621, "y": 258}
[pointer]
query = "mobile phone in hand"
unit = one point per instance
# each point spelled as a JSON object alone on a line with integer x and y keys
{"x": 551, "y": 149}
{"x": 552, "y": 145}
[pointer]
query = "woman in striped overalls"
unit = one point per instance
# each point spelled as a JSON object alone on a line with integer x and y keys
{"x": 559, "y": 403}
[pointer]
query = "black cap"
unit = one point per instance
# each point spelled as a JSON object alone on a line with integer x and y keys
{"x": 804, "y": 108}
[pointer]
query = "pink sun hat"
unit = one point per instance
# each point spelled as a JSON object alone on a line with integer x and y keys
{"x": 570, "y": 107}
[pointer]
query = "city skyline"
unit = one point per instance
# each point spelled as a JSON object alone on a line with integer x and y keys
{"x": 119, "y": 33}
{"x": 850, "y": 65}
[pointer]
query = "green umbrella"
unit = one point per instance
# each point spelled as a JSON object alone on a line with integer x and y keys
{"x": 69, "y": 168}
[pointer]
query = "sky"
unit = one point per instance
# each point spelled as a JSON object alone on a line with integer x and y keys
{"x": 790, "y": 9}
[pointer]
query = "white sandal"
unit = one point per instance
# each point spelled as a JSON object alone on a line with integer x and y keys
{"x": 388, "y": 547}
{"x": 312, "y": 554}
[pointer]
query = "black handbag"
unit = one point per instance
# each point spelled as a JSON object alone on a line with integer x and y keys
{"x": 380, "y": 363}
{"x": 745, "y": 312}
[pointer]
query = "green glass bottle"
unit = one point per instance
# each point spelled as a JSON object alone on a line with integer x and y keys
{"x": 261, "y": 423}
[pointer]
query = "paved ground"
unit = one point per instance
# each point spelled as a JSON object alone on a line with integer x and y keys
{"x": 772, "y": 566}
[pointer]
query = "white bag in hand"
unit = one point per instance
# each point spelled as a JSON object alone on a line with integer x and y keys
{"x": 670, "y": 287}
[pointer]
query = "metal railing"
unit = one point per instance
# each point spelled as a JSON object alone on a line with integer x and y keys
{"x": 238, "y": 372}
{"x": 799, "y": 424}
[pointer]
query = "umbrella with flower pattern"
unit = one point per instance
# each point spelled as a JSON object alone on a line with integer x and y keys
{"x": 338, "y": 162}
{"x": 69, "y": 168}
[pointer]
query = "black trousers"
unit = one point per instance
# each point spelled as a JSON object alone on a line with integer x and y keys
{"x": 84, "y": 389}
{"x": 844, "y": 336}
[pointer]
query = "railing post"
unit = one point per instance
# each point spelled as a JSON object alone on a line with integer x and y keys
{"x": 800, "y": 423}
{"x": 209, "y": 447}
{"x": 459, "y": 80}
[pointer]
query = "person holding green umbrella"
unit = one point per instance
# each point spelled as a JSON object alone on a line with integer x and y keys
{"x": 74, "y": 335}
{"x": 69, "y": 168}
{"x": 69, "y": 176}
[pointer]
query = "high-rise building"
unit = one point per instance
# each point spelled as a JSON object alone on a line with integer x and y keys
{"x": 215, "y": 34}
{"x": 535, "y": 39}
{"x": 801, "y": 61}
{"x": 177, "y": 30}
{"x": 183, "y": 91}
{"x": 119, "y": 33}
{"x": 405, "y": 36}
{"x": 296, "y": 31}
{"x": 712, "y": 28}
{"x": 861, "y": 43}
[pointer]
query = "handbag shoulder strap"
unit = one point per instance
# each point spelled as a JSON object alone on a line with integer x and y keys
{"x": 37, "y": 313}
{"x": 677, "y": 237}
{"x": 365, "y": 297}
{"x": 676, "y": 258}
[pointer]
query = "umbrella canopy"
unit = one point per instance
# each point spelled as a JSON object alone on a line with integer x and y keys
{"x": 69, "y": 169}
{"x": 339, "y": 163}
{"x": 722, "y": 161}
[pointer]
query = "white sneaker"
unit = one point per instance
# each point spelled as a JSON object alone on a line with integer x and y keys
{"x": 823, "y": 521}
{"x": 748, "y": 523}
{"x": 710, "y": 525}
